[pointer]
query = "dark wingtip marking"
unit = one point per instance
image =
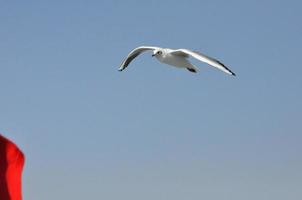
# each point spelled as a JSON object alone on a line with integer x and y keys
{"x": 226, "y": 68}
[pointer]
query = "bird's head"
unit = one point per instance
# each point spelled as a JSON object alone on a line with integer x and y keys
{"x": 157, "y": 52}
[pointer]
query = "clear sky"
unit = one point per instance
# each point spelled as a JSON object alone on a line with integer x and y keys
{"x": 152, "y": 131}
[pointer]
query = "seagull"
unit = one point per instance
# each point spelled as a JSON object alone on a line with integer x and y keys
{"x": 175, "y": 57}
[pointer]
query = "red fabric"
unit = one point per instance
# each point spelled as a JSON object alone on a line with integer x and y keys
{"x": 11, "y": 166}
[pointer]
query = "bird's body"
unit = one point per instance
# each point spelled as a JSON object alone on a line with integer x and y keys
{"x": 177, "y": 58}
{"x": 174, "y": 60}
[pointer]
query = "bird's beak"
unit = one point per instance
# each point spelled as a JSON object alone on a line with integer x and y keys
{"x": 153, "y": 55}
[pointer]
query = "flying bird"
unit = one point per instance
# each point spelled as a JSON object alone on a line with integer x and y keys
{"x": 175, "y": 57}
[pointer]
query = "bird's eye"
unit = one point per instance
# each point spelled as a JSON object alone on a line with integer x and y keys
{"x": 159, "y": 52}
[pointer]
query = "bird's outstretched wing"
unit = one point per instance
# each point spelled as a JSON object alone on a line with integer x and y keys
{"x": 199, "y": 56}
{"x": 134, "y": 53}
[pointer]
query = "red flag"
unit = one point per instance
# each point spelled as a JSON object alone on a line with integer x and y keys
{"x": 11, "y": 166}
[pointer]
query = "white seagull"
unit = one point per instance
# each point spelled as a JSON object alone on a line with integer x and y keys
{"x": 176, "y": 58}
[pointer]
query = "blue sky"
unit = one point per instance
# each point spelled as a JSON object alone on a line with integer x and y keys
{"x": 151, "y": 131}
